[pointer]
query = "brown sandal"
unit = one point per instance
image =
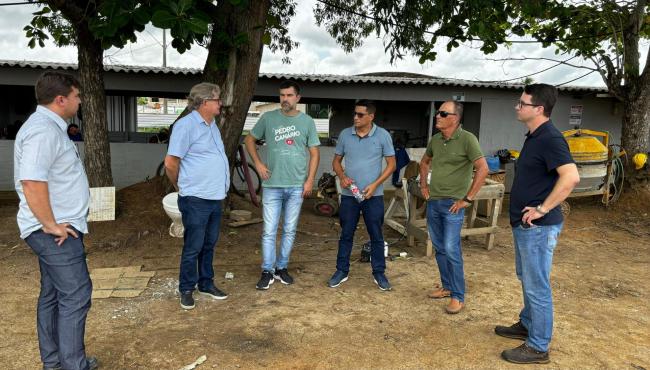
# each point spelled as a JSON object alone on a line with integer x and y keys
{"x": 454, "y": 306}
{"x": 439, "y": 293}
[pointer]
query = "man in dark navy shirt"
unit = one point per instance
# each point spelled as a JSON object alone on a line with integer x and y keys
{"x": 545, "y": 175}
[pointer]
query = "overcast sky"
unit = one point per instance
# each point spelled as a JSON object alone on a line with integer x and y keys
{"x": 318, "y": 53}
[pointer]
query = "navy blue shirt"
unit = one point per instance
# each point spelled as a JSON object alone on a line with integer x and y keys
{"x": 544, "y": 151}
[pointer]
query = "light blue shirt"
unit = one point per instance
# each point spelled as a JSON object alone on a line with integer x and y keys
{"x": 43, "y": 152}
{"x": 363, "y": 155}
{"x": 204, "y": 171}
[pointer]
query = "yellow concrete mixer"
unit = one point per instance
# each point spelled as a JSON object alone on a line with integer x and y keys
{"x": 599, "y": 165}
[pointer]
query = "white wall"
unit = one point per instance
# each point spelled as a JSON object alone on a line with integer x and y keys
{"x": 132, "y": 163}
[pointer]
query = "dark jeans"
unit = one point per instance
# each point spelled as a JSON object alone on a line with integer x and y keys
{"x": 373, "y": 216}
{"x": 201, "y": 219}
{"x": 64, "y": 300}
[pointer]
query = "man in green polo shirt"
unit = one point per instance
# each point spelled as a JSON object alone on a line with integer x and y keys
{"x": 450, "y": 158}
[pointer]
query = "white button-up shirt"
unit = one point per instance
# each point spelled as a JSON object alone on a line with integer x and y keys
{"x": 43, "y": 152}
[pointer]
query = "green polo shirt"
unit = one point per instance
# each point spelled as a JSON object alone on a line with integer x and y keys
{"x": 452, "y": 163}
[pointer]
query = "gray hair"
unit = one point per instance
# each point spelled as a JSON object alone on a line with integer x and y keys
{"x": 458, "y": 109}
{"x": 200, "y": 92}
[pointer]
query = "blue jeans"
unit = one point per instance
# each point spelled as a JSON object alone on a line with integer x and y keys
{"x": 444, "y": 231}
{"x": 373, "y": 216}
{"x": 201, "y": 219}
{"x": 277, "y": 201}
{"x": 64, "y": 300}
{"x": 533, "y": 259}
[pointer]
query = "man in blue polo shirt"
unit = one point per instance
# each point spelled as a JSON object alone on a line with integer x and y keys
{"x": 197, "y": 165}
{"x": 54, "y": 196}
{"x": 545, "y": 175}
{"x": 363, "y": 145}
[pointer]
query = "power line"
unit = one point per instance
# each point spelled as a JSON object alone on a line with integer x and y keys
{"x": 558, "y": 63}
{"x": 23, "y": 3}
{"x": 575, "y": 79}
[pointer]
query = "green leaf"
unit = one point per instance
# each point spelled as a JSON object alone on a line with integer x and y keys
{"x": 141, "y": 16}
{"x": 163, "y": 19}
{"x": 196, "y": 25}
{"x": 184, "y": 5}
{"x": 266, "y": 38}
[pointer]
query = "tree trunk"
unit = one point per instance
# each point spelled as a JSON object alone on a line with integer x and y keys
{"x": 635, "y": 133}
{"x": 238, "y": 81}
{"x": 97, "y": 151}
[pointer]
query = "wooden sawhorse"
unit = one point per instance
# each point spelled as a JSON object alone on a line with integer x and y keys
{"x": 488, "y": 199}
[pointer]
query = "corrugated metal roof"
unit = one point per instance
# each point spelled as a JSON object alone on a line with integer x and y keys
{"x": 323, "y": 78}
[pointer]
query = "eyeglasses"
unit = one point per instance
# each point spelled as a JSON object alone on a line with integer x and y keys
{"x": 360, "y": 115}
{"x": 444, "y": 113}
{"x": 520, "y": 104}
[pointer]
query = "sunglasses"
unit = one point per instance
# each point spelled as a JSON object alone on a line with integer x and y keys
{"x": 360, "y": 115}
{"x": 444, "y": 114}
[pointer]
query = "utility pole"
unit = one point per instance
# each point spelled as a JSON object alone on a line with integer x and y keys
{"x": 164, "y": 64}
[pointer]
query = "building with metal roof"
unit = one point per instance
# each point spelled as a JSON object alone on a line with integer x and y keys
{"x": 405, "y": 101}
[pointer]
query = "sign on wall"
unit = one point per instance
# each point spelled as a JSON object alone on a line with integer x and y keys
{"x": 575, "y": 115}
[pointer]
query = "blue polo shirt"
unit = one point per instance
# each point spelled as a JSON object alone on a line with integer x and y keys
{"x": 204, "y": 171}
{"x": 363, "y": 155}
{"x": 544, "y": 151}
{"x": 43, "y": 152}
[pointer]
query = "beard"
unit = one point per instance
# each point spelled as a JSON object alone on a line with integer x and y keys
{"x": 286, "y": 107}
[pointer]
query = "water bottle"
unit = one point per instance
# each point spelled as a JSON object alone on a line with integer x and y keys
{"x": 356, "y": 192}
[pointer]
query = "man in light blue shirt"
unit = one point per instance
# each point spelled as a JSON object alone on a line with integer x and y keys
{"x": 364, "y": 146}
{"x": 197, "y": 165}
{"x": 53, "y": 189}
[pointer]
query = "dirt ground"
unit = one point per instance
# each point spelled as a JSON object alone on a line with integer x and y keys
{"x": 601, "y": 287}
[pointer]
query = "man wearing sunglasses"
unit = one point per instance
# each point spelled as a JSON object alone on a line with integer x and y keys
{"x": 364, "y": 146}
{"x": 450, "y": 158}
{"x": 545, "y": 175}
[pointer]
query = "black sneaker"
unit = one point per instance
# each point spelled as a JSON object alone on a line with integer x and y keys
{"x": 265, "y": 281}
{"x": 525, "y": 355}
{"x": 213, "y": 292}
{"x": 382, "y": 282}
{"x": 338, "y": 278}
{"x": 187, "y": 301}
{"x": 283, "y": 276}
{"x": 515, "y": 331}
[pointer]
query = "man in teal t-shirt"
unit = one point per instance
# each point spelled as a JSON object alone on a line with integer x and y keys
{"x": 288, "y": 176}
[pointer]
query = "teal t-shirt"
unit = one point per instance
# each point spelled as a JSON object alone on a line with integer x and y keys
{"x": 287, "y": 139}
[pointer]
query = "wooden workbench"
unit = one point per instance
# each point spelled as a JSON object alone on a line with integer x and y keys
{"x": 480, "y": 217}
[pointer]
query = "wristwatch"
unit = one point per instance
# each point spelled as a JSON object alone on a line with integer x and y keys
{"x": 467, "y": 200}
{"x": 540, "y": 211}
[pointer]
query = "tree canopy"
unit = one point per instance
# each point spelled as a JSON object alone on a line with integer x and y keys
{"x": 605, "y": 32}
